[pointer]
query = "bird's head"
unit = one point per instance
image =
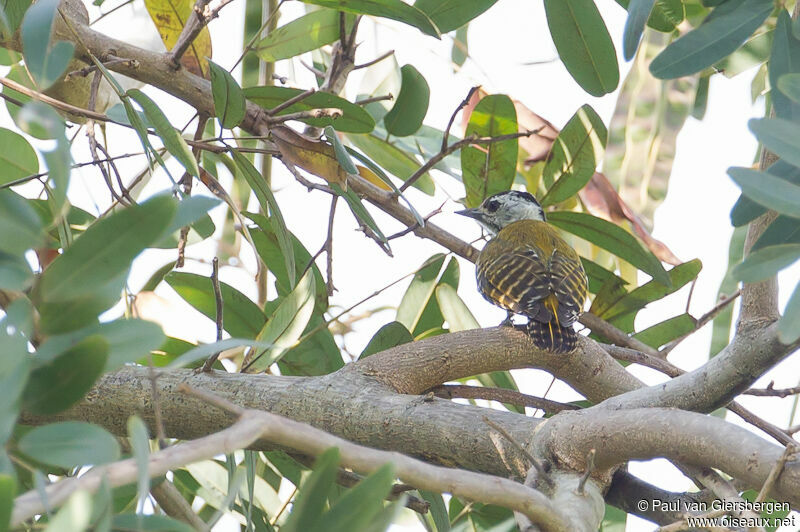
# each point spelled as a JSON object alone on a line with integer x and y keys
{"x": 505, "y": 208}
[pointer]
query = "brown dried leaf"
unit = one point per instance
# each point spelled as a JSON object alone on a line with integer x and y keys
{"x": 311, "y": 155}
{"x": 170, "y": 17}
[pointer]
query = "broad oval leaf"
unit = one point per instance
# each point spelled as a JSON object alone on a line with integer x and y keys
{"x": 638, "y": 13}
{"x": 354, "y": 118}
{"x": 714, "y": 39}
{"x": 411, "y": 106}
{"x": 584, "y": 44}
{"x": 612, "y": 238}
{"x": 665, "y": 15}
{"x": 454, "y": 310}
{"x": 105, "y": 250}
{"x": 452, "y": 14}
{"x": 58, "y": 384}
{"x": 229, "y": 102}
{"x": 393, "y": 159}
{"x": 419, "y": 310}
{"x": 489, "y": 169}
{"x": 391, "y": 9}
{"x": 780, "y": 136}
{"x": 789, "y": 84}
{"x": 666, "y": 331}
{"x": 746, "y": 210}
{"x": 70, "y": 444}
{"x": 20, "y": 227}
{"x": 309, "y": 32}
{"x": 574, "y": 156}
{"x": 783, "y": 230}
{"x": 766, "y": 262}
{"x": 45, "y": 60}
{"x": 170, "y": 136}
{"x": 240, "y": 317}
{"x": 17, "y": 157}
{"x": 768, "y": 190}
{"x": 390, "y": 335}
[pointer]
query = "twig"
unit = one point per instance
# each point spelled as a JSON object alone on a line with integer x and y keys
{"x": 702, "y": 321}
{"x": 643, "y": 359}
{"x": 218, "y": 317}
{"x": 464, "y": 102}
{"x": 291, "y": 101}
{"x": 109, "y": 60}
{"x": 540, "y": 466}
{"x": 325, "y": 112}
{"x": 683, "y": 524}
{"x": 93, "y": 146}
{"x": 199, "y": 19}
{"x": 589, "y": 470}
{"x": 769, "y": 391}
{"x": 328, "y": 246}
{"x": 480, "y": 141}
{"x": 501, "y": 395}
{"x": 775, "y": 473}
{"x": 257, "y": 35}
{"x": 173, "y": 504}
{"x": 376, "y": 60}
{"x": 187, "y": 181}
{"x": 31, "y": 177}
{"x": 365, "y": 101}
{"x": 609, "y": 331}
{"x": 412, "y": 228}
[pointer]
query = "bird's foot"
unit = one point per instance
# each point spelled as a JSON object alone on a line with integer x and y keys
{"x": 508, "y": 322}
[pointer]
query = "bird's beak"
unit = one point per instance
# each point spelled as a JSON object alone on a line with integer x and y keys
{"x": 471, "y": 213}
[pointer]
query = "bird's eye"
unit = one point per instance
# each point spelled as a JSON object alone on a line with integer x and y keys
{"x": 492, "y": 206}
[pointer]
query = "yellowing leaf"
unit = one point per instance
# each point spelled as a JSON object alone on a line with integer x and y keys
{"x": 311, "y": 155}
{"x": 170, "y": 17}
{"x": 372, "y": 177}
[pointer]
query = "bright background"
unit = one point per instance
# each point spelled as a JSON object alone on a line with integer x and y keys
{"x": 510, "y": 52}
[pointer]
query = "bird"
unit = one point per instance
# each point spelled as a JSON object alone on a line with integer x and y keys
{"x": 526, "y": 268}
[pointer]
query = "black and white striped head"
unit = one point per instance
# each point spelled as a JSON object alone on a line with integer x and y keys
{"x": 505, "y": 208}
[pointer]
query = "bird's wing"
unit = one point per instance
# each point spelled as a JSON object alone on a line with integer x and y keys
{"x": 569, "y": 285}
{"x": 516, "y": 280}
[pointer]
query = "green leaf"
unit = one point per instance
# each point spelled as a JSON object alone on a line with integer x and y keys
{"x": 149, "y": 523}
{"x": 489, "y": 169}
{"x": 460, "y": 50}
{"x": 766, "y": 262}
{"x": 614, "y": 520}
{"x": 17, "y": 157}
{"x": 15, "y": 272}
{"x": 8, "y": 488}
{"x": 666, "y": 331}
{"x": 362, "y": 214}
{"x": 454, "y": 310}
{"x": 240, "y": 317}
{"x": 170, "y": 136}
{"x": 599, "y": 276}
{"x": 203, "y": 351}
{"x": 339, "y": 150}
{"x": 411, "y": 105}
{"x": 309, "y": 32}
{"x": 59, "y": 384}
{"x": 269, "y": 204}
{"x": 11, "y": 14}
{"x": 419, "y": 292}
{"x": 45, "y": 60}
{"x": 789, "y": 324}
{"x": 612, "y": 238}
{"x": 229, "y": 102}
{"x": 574, "y": 156}
{"x": 638, "y": 13}
{"x": 783, "y": 230}
{"x": 70, "y": 444}
{"x": 721, "y": 326}
{"x": 20, "y": 228}
{"x": 784, "y": 60}
{"x": 286, "y": 324}
{"x": 140, "y": 448}
{"x": 105, "y": 250}
{"x": 313, "y": 494}
{"x": 357, "y": 508}
{"x": 318, "y": 354}
{"x": 789, "y": 84}
{"x": 74, "y": 515}
{"x": 354, "y": 118}
{"x": 390, "y": 335}
{"x": 782, "y": 137}
{"x": 719, "y": 35}
{"x": 664, "y": 16}
{"x": 391, "y": 9}
{"x": 438, "y": 510}
{"x": 768, "y": 190}
{"x": 393, "y": 159}
{"x": 449, "y": 15}
{"x": 583, "y": 43}
{"x": 746, "y": 210}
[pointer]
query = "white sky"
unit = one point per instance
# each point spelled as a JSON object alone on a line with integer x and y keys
{"x": 693, "y": 220}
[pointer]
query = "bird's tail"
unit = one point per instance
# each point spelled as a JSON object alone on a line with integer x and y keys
{"x": 552, "y": 336}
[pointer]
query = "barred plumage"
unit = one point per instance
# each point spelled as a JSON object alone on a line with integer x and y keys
{"x": 528, "y": 269}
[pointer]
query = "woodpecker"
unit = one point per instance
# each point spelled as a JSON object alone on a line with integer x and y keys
{"x": 527, "y": 268}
